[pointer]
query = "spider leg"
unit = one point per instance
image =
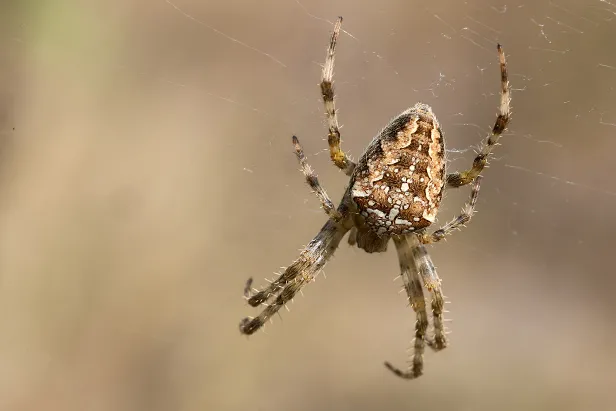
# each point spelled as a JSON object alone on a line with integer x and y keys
{"x": 353, "y": 236}
{"x": 433, "y": 284}
{"x": 458, "y": 222}
{"x": 327, "y": 91}
{"x": 296, "y": 276}
{"x": 412, "y": 285}
{"x": 248, "y": 287}
{"x": 313, "y": 182}
{"x": 502, "y": 120}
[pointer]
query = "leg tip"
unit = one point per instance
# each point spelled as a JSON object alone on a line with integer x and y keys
{"x": 438, "y": 344}
{"x": 249, "y": 325}
{"x": 415, "y": 372}
{"x": 247, "y": 287}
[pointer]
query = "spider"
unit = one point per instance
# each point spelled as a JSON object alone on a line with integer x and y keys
{"x": 394, "y": 192}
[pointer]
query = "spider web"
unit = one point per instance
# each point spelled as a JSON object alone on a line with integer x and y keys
{"x": 152, "y": 139}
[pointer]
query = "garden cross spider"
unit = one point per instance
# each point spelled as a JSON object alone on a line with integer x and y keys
{"x": 394, "y": 192}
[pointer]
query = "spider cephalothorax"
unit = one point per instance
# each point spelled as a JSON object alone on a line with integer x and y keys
{"x": 394, "y": 192}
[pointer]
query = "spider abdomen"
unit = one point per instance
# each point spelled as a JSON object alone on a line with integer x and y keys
{"x": 397, "y": 183}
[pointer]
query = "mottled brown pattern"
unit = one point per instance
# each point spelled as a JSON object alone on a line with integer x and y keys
{"x": 397, "y": 184}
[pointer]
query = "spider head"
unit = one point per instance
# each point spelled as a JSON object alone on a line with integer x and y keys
{"x": 398, "y": 182}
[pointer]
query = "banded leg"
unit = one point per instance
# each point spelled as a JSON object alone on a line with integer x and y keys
{"x": 467, "y": 213}
{"x": 502, "y": 120}
{"x": 313, "y": 182}
{"x": 327, "y": 91}
{"x": 412, "y": 285}
{"x": 296, "y": 276}
{"x": 433, "y": 284}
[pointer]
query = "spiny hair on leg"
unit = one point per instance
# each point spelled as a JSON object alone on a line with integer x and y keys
{"x": 296, "y": 276}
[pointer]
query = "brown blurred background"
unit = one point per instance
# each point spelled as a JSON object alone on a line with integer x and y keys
{"x": 146, "y": 171}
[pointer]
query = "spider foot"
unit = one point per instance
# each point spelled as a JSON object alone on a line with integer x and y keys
{"x": 259, "y": 298}
{"x": 256, "y": 299}
{"x": 248, "y": 288}
{"x": 414, "y": 372}
{"x": 438, "y": 343}
{"x": 249, "y": 325}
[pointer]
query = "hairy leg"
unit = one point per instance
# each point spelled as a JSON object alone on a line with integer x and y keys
{"x": 467, "y": 213}
{"x": 297, "y": 275}
{"x": 327, "y": 91}
{"x": 313, "y": 182}
{"x": 412, "y": 285}
{"x": 430, "y": 278}
{"x": 502, "y": 120}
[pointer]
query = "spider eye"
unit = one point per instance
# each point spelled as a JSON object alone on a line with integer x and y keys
{"x": 398, "y": 182}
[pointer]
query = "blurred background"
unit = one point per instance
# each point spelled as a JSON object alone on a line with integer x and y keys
{"x": 146, "y": 171}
